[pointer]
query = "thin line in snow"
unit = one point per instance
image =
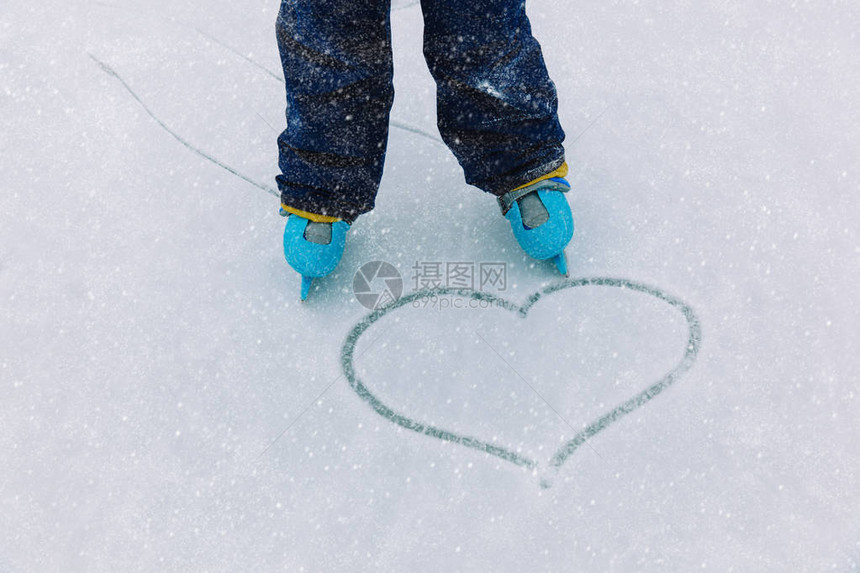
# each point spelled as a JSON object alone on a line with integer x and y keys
{"x": 538, "y": 394}
{"x": 111, "y": 72}
{"x": 590, "y": 125}
{"x": 236, "y": 52}
{"x": 315, "y": 400}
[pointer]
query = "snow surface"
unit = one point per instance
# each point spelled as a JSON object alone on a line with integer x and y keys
{"x": 169, "y": 405}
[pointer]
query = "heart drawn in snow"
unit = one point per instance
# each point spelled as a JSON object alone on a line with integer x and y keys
{"x": 567, "y": 449}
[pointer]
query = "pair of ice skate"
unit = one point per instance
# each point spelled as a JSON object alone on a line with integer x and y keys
{"x": 539, "y": 215}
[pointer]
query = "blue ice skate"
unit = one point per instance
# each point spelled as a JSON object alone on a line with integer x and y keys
{"x": 541, "y": 219}
{"x": 313, "y": 249}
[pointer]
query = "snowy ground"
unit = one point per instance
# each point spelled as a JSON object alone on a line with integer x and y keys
{"x": 169, "y": 405}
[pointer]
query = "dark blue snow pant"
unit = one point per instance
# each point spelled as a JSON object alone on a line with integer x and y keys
{"x": 496, "y": 105}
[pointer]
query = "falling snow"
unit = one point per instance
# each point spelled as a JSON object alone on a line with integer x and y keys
{"x": 169, "y": 405}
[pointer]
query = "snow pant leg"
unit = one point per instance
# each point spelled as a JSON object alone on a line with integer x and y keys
{"x": 338, "y": 71}
{"x": 496, "y": 105}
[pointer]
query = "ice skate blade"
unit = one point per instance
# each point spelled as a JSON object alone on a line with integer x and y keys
{"x": 560, "y": 261}
{"x": 306, "y": 286}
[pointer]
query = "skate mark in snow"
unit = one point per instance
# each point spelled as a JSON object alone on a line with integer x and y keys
{"x": 236, "y": 52}
{"x": 552, "y": 467}
{"x": 271, "y": 191}
{"x": 404, "y": 126}
{"x": 110, "y": 71}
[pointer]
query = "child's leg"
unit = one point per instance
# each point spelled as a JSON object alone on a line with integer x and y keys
{"x": 496, "y": 104}
{"x": 337, "y": 64}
